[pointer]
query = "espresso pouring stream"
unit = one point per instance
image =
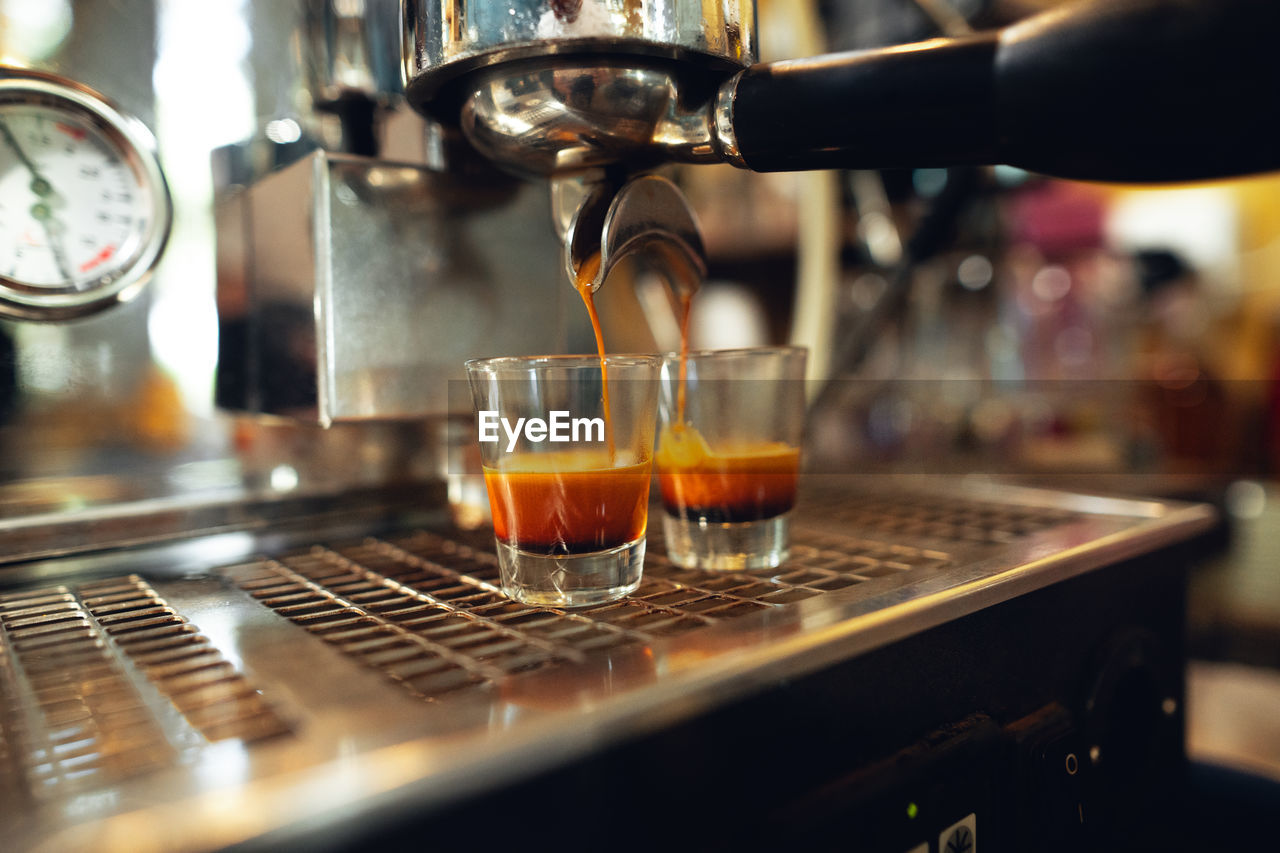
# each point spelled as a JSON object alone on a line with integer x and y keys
{"x": 586, "y": 276}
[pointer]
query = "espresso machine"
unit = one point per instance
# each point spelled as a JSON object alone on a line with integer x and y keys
{"x": 265, "y": 624}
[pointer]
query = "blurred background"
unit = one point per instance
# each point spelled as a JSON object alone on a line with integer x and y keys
{"x": 983, "y": 322}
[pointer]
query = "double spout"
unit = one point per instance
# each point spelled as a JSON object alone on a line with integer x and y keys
{"x": 646, "y": 216}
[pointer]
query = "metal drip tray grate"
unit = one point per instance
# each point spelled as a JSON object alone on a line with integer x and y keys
{"x": 86, "y": 671}
{"x": 426, "y": 610}
{"x": 913, "y": 516}
{"x": 105, "y": 680}
{"x": 227, "y": 699}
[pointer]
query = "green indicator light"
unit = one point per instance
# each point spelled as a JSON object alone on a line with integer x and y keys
{"x": 912, "y": 810}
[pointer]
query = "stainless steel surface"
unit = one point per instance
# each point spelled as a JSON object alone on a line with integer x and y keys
{"x": 722, "y": 124}
{"x": 391, "y": 673}
{"x": 126, "y": 521}
{"x": 569, "y": 115}
{"x": 72, "y": 676}
{"x": 352, "y": 49}
{"x": 356, "y": 288}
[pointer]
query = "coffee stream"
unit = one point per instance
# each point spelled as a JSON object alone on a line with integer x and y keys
{"x": 741, "y": 482}
{"x": 586, "y": 276}
{"x": 577, "y": 501}
{"x": 735, "y": 483}
{"x": 679, "y": 441}
{"x": 686, "y": 303}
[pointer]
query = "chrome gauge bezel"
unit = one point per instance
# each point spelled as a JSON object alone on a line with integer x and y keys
{"x": 126, "y": 277}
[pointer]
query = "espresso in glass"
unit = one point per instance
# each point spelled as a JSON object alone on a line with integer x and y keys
{"x": 728, "y": 455}
{"x": 575, "y": 502}
{"x": 569, "y": 516}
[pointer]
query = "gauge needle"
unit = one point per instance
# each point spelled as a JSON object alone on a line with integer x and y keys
{"x": 41, "y": 211}
{"x": 39, "y": 185}
{"x": 54, "y": 229}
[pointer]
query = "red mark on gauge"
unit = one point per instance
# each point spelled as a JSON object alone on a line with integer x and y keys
{"x": 76, "y": 133}
{"x": 98, "y": 258}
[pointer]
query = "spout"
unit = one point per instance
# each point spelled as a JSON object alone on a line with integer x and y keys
{"x": 647, "y": 216}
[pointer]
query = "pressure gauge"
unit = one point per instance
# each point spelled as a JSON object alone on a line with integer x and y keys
{"x": 84, "y": 209}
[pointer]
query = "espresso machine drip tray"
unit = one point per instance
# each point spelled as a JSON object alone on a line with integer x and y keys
{"x": 317, "y": 691}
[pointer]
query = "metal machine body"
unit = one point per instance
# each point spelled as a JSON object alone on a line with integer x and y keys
{"x": 353, "y": 288}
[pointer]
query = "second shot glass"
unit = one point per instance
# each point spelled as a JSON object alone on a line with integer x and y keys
{"x": 728, "y": 455}
{"x": 567, "y": 474}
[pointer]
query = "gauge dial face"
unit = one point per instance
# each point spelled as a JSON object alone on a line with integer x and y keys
{"x": 84, "y": 211}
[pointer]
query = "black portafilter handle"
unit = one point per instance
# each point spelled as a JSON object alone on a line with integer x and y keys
{"x": 1110, "y": 90}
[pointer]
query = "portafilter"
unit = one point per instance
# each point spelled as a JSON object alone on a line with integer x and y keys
{"x": 1130, "y": 90}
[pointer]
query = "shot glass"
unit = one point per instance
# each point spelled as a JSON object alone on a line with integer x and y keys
{"x": 728, "y": 455}
{"x": 567, "y": 472}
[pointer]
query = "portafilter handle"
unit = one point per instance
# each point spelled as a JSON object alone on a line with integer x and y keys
{"x": 1109, "y": 90}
